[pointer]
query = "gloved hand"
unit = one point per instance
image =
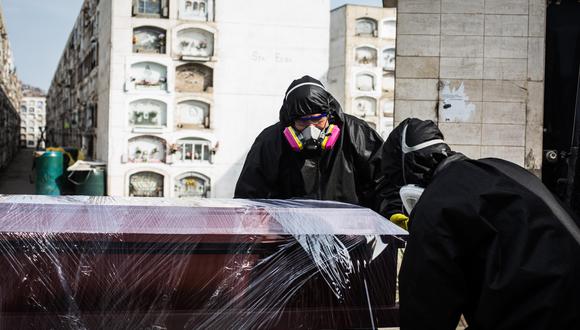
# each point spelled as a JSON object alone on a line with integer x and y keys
{"x": 400, "y": 220}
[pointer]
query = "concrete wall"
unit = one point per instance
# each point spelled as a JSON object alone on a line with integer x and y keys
{"x": 104, "y": 75}
{"x": 476, "y": 67}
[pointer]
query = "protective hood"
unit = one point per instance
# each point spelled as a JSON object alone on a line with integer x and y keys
{"x": 413, "y": 151}
{"x": 306, "y": 96}
{"x": 411, "y": 155}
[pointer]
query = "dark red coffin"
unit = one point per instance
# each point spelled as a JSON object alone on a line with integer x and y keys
{"x": 109, "y": 263}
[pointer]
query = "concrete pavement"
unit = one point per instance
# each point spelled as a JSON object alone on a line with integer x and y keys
{"x": 14, "y": 179}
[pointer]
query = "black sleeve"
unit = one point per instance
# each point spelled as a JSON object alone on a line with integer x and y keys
{"x": 260, "y": 170}
{"x": 366, "y": 145}
{"x": 390, "y": 179}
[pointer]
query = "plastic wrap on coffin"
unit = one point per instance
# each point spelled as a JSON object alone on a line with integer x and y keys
{"x": 127, "y": 263}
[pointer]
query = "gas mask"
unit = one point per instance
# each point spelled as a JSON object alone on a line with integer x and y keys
{"x": 311, "y": 140}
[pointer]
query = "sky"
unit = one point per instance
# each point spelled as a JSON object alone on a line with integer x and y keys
{"x": 39, "y": 29}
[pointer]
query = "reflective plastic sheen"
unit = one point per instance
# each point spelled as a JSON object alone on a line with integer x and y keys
{"x": 156, "y": 263}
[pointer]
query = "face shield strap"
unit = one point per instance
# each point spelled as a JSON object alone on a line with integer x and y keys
{"x": 407, "y": 149}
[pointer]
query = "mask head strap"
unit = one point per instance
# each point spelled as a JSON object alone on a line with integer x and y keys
{"x": 407, "y": 149}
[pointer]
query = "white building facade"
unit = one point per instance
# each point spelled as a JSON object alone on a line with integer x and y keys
{"x": 32, "y": 117}
{"x": 10, "y": 97}
{"x": 183, "y": 87}
{"x": 362, "y": 63}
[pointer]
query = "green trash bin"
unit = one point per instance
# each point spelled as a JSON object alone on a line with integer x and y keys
{"x": 49, "y": 172}
{"x": 88, "y": 178}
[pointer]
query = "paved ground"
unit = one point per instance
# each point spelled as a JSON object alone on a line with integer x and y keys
{"x": 14, "y": 179}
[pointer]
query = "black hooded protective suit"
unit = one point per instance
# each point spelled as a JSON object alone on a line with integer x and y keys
{"x": 344, "y": 173}
{"x": 487, "y": 240}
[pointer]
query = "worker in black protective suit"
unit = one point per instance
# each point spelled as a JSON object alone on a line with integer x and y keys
{"x": 315, "y": 151}
{"x": 487, "y": 240}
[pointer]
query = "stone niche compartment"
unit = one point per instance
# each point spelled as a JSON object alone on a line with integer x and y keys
{"x": 388, "y": 85}
{"x": 194, "y": 44}
{"x": 149, "y": 39}
{"x": 365, "y": 82}
{"x": 151, "y": 8}
{"x": 365, "y": 106}
{"x": 366, "y": 56}
{"x": 389, "y": 59}
{"x": 192, "y": 185}
{"x": 389, "y": 29}
{"x": 194, "y": 78}
{"x": 366, "y": 27}
{"x": 148, "y": 76}
{"x": 193, "y": 114}
{"x": 197, "y": 10}
{"x": 148, "y": 113}
{"x": 147, "y": 149}
{"x": 146, "y": 184}
{"x": 193, "y": 149}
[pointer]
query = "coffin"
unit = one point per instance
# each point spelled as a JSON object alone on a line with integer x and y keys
{"x": 152, "y": 263}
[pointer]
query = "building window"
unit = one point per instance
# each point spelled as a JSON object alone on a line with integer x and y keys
{"x": 198, "y": 10}
{"x": 365, "y": 82}
{"x": 193, "y": 114}
{"x": 193, "y": 78}
{"x": 151, "y": 8}
{"x": 146, "y": 184}
{"x": 30, "y": 143}
{"x": 192, "y": 185}
{"x": 366, "y": 27}
{"x": 23, "y": 109}
{"x": 389, "y": 59}
{"x": 148, "y": 113}
{"x": 365, "y": 107}
{"x": 23, "y": 130}
{"x": 149, "y": 39}
{"x": 147, "y": 149}
{"x": 193, "y": 150}
{"x": 148, "y": 76}
{"x": 366, "y": 56}
{"x": 195, "y": 44}
{"x": 31, "y": 110}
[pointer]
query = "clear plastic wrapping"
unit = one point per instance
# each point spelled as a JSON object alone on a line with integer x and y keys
{"x": 145, "y": 263}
